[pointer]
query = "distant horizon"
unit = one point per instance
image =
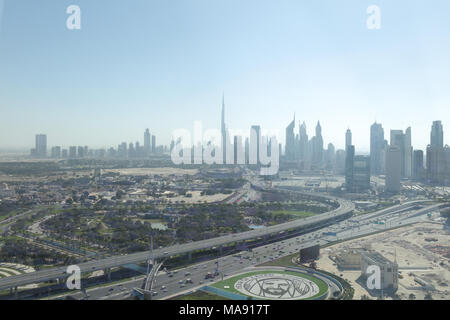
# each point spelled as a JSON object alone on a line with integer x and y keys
{"x": 358, "y": 150}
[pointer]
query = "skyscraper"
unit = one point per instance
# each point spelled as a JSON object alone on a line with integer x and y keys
{"x": 318, "y": 146}
{"x": 348, "y": 138}
{"x": 41, "y": 145}
{"x": 397, "y": 139}
{"x": 376, "y": 148}
{"x": 147, "y": 142}
{"x": 437, "y": 134}
{"x": 418, "y": 164}
{"x": 438, "y": 157}
{"x": 239, "y": 152}
{"x": 224, "y": 131}
{"x": 290, "y": 141}
{"x": 348, "y": 144}
{"x": 72, "y": 152}
{"x": 153, "y": 143}
{"x": 81, "y": 152}
{"x": 408, "y": 153}
{"x": 340, "y": 162}
{"x": 303, "y": 142}
{"x": 330, "y": 157}
{"x": 350, "y": 154}
{"x": 438, "y": 165}
{"x": 393, "y": 169}
{"x": 252, "y": 149}
{"x": 361, "y": 173}
{"x": 56, "y": 152}
{"x": 403, "y": 141}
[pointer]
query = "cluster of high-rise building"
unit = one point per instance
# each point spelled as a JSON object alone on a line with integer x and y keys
{"x": 308, "y": 154}
{"x": 437, "y": 157}
{"x": 40, "y": 149}
{"x": 230, "y": 150}
{"x": 123, "y": 150}
{"x": 396, "y": 158}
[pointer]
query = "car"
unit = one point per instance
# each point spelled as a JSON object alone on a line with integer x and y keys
{"x": 163, "y": 287}
{"x": 187, "y": 273}
{"x": 181, "y": 282}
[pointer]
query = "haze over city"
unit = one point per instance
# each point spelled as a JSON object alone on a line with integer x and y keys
{"x": 162, "y": 65}
{"x": 272, "y": 152}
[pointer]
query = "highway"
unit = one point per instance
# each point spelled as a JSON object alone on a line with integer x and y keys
{"x": 120, "y": 260}
{"x": 6, "y": 223}
{"x": 167, "y": 287}
{"x": 345, "y": 207}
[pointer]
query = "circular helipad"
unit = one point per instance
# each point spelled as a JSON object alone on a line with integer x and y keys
{"x": 275, "y": 285}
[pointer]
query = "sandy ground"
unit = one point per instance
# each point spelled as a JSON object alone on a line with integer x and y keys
{"x": 153, "y": 171}
{"x": 8, "y": 269}
{"x": 422, "y": 252}
{"x": 197, "y": 197}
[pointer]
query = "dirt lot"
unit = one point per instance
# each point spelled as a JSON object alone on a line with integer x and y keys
{"x": 152, "y": 171}
{"x": 422, "y": 252}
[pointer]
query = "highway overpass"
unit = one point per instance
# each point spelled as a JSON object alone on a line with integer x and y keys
{"x": 345, "y": 208}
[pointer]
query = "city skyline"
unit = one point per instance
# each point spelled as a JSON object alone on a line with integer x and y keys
{"x": 226, "y": 150}
{"x": 318, "y": 61}
{"x": 293, "y": 146}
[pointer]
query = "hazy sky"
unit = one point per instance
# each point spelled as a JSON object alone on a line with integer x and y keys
{"x": 164, "y": 64}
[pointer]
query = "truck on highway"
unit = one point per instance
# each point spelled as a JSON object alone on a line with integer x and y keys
{"x": 210, "y": 275}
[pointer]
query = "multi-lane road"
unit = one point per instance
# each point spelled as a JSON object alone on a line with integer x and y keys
{"x": 168, "y": 286}
{"x": 345, "y": 207}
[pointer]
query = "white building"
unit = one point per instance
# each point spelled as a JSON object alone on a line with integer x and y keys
{"x": 388, "y": 269}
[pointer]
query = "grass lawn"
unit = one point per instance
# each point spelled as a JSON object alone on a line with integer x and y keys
{"x": 285, "y": 261}
{"x": 323, "y": 287}
{"x": 200, "y": 295}
{"x": 294, "y": 213}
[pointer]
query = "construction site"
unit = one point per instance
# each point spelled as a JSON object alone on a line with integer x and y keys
{"x": 419, "y": 254}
